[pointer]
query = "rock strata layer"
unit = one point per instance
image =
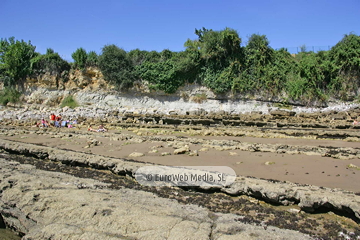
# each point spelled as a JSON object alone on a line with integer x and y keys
{"x": 308, "y": 198}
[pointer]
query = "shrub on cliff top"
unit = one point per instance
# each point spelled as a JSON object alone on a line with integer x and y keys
{"x": 9, "y": 95}
{"x": 50, "y": 62}
{"x": 80, "y": 57}
{"x": 116, "y": 67}
{"x": 92, "y": 59}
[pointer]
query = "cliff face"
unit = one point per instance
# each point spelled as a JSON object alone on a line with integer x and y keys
{"x": 50, "y": 89}
{"x": 90, "y": 79}
{"x": 89, "y": 89}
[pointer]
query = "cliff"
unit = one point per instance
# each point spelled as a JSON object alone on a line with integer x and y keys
{"x": 89, "y": 88}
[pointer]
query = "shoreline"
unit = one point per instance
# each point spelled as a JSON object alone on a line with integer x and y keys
{"x": 304, "y": 160}
{"x": 269, "y": 152}
{"x": 216, "y": 201}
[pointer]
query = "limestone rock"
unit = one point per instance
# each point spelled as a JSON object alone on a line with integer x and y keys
{"x": 93, "y": 142}
{"x": 282, "y": 113}
{"x": 353, "y": 166}
{"x": 309, "y": 198}
{"x": 194, "y": 153}
{"x": 136, "y": 154}
{"x": 182, "y": 150}
{"x": 204, "y": 149}
{"x": 53, "y": 206}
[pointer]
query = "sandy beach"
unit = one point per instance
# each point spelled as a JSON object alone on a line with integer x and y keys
{"x": 298, "y": 168}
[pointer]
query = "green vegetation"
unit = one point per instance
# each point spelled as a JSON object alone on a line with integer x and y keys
{"x": 69, "y": 101}
{"x": 80, "y": 58}
{"x": 92, "y": 59}
{"x": 50, "y": 62}
{"x": 199, "y": 98}
{"x": 15, "y": 61}
{"x": 116, "y": 67}
{"x": 216, "y": 59}
{"x": 9, "y": 95}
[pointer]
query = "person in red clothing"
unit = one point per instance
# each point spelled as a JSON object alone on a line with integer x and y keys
{"x": 58, "y": 121}
{"x": 58, "y": 118}
{"x": 52, "y": 119}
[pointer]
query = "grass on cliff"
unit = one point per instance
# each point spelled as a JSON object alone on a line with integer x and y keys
{"x": 283, "y": 106}
{"x": 199, "y": 98}
{"x": 69, "y": 101}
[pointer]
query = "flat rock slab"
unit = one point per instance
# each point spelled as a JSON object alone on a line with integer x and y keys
{"x": 309, "y": 198}
{"x": 51, "y": 205}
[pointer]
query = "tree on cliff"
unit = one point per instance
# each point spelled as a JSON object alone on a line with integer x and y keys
{"x": 80, "y": 58}
{"x": 345, "y": 67}
{"x": 116, "y": 66}
{"x": 220, "y": 57}
{"x": 15, "y": 61}
{"x": 258, "y": 57}
{"x": 92, "y": 59}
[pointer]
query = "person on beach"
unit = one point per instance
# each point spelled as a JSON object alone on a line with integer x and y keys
{"x": 58, "y": 121}
{"x": 100, "y": 129}
{"x": 58, "y": 118}
{"x": 52, "y": 119}
{"x": 44, "y": 123}
{"x": 69, "y": 124}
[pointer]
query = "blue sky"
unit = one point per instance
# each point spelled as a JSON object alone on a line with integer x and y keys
{"x": 66, "y": 25}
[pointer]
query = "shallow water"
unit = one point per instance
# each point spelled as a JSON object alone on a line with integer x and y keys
{"x": 7, "y": 234}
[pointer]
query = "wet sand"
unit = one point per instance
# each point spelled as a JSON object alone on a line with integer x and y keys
{"x": 297, "y": 168}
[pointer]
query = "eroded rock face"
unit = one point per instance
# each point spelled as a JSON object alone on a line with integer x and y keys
{"x": 89, "y": 79}
{"x": 51, "y": 205}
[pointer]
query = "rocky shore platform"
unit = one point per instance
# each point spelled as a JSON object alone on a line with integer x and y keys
{"x": 297, "y": 175}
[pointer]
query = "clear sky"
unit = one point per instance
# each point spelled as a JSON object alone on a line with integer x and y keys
{"x": 66, "y": 25}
